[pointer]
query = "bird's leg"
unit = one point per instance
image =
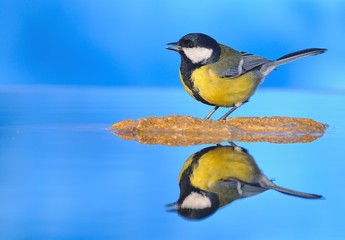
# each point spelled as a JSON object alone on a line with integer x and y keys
{"x": 237, "y": 105}
{"x": 233, "y": 144}
{"x": 236, "y": 147}
{"x": 211, "y": 113}
{"x": 228, "y": 113}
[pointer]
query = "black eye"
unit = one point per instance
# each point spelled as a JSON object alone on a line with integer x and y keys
{"x": 188, "y": 43}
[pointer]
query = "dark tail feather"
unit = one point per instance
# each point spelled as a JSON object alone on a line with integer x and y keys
{"x": 268, "y": 184}
{"x": 268, "y": 67}
{"x": 300, "y": 54}
{"x": 296, "y": 193}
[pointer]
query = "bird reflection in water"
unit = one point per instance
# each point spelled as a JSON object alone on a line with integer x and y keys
{"x": 215, "y": 176}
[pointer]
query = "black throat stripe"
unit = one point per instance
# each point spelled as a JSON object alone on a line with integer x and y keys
{"x": 185, "y": 184}
{"x": 187, "y": 69}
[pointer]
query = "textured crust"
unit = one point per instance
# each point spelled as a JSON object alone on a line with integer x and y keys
{"x": 184, "y": 130}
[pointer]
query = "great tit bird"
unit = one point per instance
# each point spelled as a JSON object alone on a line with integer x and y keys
{"x": 215, "y": 176}
{"x": 220, "y": 76}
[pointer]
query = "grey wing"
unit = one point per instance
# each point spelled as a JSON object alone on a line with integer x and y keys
{"x": 248, "y": 62}
{"x": 244, "y": 189}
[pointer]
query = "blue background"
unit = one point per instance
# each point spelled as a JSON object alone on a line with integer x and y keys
{"x": 64, "y": 175}
{"x": 121, "y": 43}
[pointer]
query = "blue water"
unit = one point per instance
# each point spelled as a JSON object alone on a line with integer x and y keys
{"x": 64, "y": 175}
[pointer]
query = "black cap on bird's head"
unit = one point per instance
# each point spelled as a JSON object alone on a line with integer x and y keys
{"x": 198, "y": 48}
{"x": 192, "y": 40}
{"x": 196, "y": 205}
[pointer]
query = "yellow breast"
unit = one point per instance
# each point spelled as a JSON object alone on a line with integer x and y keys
{"x": 224, "y": 92}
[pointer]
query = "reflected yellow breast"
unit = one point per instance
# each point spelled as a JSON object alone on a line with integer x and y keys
{"x": 222, "y": 163}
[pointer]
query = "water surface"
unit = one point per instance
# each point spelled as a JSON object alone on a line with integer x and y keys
{"x": 64, "y": 175}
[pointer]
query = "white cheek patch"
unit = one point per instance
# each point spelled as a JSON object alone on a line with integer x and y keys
{"x": 198, "y": 54}
{"x": 196, "y": 201}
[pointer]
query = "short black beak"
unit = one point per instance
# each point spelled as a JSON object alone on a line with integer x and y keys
{"x": 174, "y": 46}
{"x": 171, "y": 207}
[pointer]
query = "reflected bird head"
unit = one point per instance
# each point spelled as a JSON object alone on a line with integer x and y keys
{"x": 196, "y": 205}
